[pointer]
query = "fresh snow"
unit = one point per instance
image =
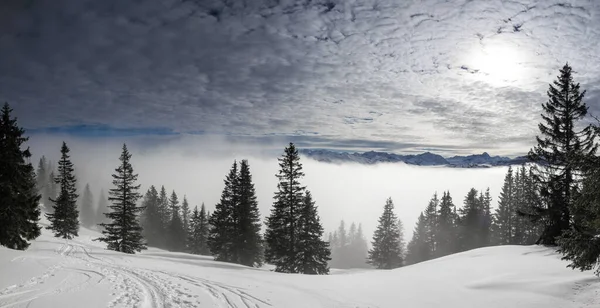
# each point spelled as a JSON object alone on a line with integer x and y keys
{"x": 81, "y": 273}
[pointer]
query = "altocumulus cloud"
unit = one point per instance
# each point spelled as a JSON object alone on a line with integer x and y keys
{"x": 459, "y": 76}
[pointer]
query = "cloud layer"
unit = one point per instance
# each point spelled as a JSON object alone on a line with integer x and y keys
{"x": 458, "y": 76}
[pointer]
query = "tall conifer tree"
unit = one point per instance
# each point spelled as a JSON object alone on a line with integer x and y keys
{"x": 19, "y": 198}
{"x": 123, "y": 233}
{"x": 64, "y": 219}
{"x": 560, "y": 149}
{"x": 312, "y": 251}
{"x": 385, "y": 252}
{"x": 281, "y": 233}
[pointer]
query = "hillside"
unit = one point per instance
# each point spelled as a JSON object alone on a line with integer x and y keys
{"x": 80, "y": 273}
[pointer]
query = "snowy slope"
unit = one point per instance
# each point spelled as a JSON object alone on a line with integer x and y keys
{"x": 80, "y": 273}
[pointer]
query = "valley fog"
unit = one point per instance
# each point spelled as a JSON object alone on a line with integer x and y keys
{"x": 195, "y": 166}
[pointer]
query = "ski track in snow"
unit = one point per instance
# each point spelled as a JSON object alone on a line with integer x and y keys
{"x": 132, "y": 287}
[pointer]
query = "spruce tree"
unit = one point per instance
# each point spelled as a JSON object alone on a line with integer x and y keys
{"x": 185, "y": 214}
{"x": 123, "y": 233}
{"x": 176, "y": 234}
{"x": 417, "y": 249}
{"x": 281, "y": 233}
{"x": 64, "y": 219}
{"x": 88, "y": 212}
{"x": 165, "y": 214}
{"x": 431, "y": 224}
{"x": 151, "y": 219}
{"x": 19, "y": 198}
{"x": 446, "y": 231}
{"x": 485, "y": 223}
{"x": 249, "y": 240}
{"x": 312, "y": 253}
{"x": 505, "y": 212}
{"x": 580, "y": 244}
{"x": 401, "y": 241}
{"x": 560, "y": 147}
{"x": 471, "y": 222}
{"x": 385, "y": 251}
{"x": 221, "y": 240}
{"x": 198, "y": 235}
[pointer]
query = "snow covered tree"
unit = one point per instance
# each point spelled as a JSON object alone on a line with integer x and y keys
{"x": 151, "y": 219}
{"x": 221, "y": 239}
{"x": 446, "y": 229}
{"x": 198, "y": 236}
{"x": 560, "y": 147}
{"x": 19, "y": 199}
{"x": 385, "y": 252}
{"x": 312, "y": 251}
{"x": 64, "y": 219}
{"x": 417, "y": 249}
{"x": 281, "y": 233}
{"x": 176, "y": 234}
{"x": 123, "y": 233}
{"x": 88, "y": 212}
{"x": 248, "y": 238}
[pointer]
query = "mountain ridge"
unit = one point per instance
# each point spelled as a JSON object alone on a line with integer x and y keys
{"x": 483, "y": 160}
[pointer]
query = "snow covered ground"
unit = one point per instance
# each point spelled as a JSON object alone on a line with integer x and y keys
{"x": 81, "y": 273}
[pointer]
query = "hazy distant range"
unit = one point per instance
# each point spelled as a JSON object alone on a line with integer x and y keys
{"x": 483, "y": 160}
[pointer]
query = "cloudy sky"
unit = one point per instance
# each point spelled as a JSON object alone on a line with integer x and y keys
{"x": 402, "y": 76}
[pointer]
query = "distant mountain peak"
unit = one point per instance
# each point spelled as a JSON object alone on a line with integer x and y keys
{"x": 483, "y": 160}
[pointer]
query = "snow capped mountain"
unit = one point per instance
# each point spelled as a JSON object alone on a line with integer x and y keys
{"x": 425, "y": 159}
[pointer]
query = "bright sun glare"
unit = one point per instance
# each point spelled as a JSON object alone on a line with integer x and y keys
{"x": 498, "y": 64}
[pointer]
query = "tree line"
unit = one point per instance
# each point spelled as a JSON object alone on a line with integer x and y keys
{"x": 553, "y": 201}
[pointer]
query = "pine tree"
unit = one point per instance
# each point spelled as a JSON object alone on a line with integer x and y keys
{"x": 198, "y": 236}
{"x": 123, "y": 233}
{"x": 446, "y": 232}
{"x": 176, "y": 234}
{"x": 185, "y": 214}
{"x": 473, "y": 222}
{"x": 312, "y": 252}
{"x": 165, "y": 214}
{"x": 151, "y": 219}
{"x": 87, "y": 214}
{"x": 558, "y": 152}
{"x": 221, "y": 239}
{"x": 19, "y": 211}
{"x": 505, "y": 212}
{"x": 485, "y": 223}
{"x": 431, "y": 224}
{"x": 102, "y": 208}
{"x": 280, "y": 236}
{"x": 401, "y": 242}
{"x": 64, "y": 219}
{"x": 417, "y": 249}
{"x": 248, "y": 241}
{"x": 385, "y": 252}
{"x": 581, "y": 243}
